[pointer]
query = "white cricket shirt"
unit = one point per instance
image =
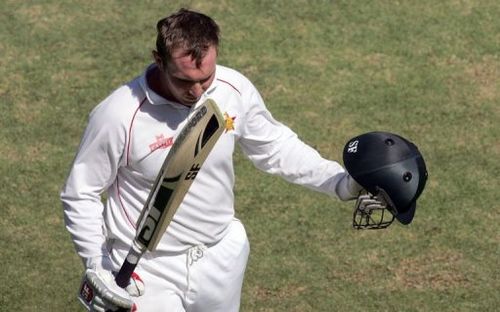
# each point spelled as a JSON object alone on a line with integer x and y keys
{"x": 127, "y": 139}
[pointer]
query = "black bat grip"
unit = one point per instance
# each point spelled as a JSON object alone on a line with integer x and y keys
{"x": 123, "y": 276}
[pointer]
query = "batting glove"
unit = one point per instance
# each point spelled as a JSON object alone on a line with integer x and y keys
{"x": 99, "y": 291}
{"x": 368, "y": 202}
{"x": 371, "y": 212}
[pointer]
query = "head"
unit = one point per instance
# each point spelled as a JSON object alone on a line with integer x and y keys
{"x": 186, "y": 52}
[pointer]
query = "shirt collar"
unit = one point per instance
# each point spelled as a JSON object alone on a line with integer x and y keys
{"x": 156, "y": 99}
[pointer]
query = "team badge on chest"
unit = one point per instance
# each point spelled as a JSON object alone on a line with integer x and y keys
{"x": 229, "y": 122}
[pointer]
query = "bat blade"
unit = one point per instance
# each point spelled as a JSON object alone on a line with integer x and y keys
{"x": 180, "y": 168}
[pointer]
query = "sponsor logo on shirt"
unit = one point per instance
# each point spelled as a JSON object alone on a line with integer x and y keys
{"x": 161, "y": 142}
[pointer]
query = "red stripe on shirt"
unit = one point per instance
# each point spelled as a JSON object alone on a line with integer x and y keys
{"x": 132, "y": 223}
{"x": 228, "y": 83}
{"x": 129, "y": 138}
{"x": 130, "y": 129}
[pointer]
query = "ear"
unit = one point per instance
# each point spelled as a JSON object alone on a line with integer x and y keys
{"x": 158, "y": 59}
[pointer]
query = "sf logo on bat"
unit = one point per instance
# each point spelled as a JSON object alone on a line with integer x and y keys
{"x": 195, "y": 168}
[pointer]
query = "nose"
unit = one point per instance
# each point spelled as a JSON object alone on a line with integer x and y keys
{"x": 196, "y": 90}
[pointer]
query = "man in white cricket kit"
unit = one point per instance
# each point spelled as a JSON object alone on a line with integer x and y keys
{"x": 200, "y": 261}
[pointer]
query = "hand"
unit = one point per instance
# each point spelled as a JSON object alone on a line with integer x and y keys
{"x": 370, "y": 212}
{"x": 367, "y": 203}
{"x": 99, "y": 291}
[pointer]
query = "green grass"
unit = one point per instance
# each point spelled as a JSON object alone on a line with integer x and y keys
{"x": 428, "y": 70}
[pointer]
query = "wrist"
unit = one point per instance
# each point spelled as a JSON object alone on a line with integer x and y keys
{"x": 347, "y": 188}
{"x": 102, "y": 262}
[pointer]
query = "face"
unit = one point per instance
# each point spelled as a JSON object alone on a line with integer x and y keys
{"x": 183, "y": 80}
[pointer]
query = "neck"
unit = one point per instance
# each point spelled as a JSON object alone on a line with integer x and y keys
{"x": 156, "y": 81}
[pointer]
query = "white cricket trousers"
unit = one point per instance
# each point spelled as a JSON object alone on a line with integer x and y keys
{"x": 203, "y": 279}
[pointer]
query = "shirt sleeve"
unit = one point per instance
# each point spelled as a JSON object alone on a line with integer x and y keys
{"x": 276, "y": 149}
{"x": 94, "y": 169}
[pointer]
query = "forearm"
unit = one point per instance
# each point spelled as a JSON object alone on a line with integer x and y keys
{"x": 84, "y": 221}
{"x": 93, "y": 170}
{"x": 276, "y": 149}
{"x": 300, "y": 164}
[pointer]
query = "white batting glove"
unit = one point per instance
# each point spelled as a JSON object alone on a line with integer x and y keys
{"x": 368, "y": 202}
{"x": 371, "y": 212}
{"x": 99, "y": 291}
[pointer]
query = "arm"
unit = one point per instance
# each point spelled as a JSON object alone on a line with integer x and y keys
{"x": 276, "y": 149}
{"x": 94, "y": 169}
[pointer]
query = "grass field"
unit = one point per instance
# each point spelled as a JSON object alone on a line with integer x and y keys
{"x": 428, "y": 70}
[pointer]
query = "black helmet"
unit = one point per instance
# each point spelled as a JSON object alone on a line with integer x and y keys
{"x": 389, "y": 165}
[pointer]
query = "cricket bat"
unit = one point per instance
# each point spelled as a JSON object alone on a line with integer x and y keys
{"x": 179, "y": 170}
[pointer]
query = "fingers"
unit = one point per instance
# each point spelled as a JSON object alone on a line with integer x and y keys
{"x": 367, "y": 202}
{"x": 98, "y": 305}
{"x": 105, "y": 291}
{"x": 370, "y": 212}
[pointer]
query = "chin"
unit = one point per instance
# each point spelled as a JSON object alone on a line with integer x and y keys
{"x": 190, "y": 102}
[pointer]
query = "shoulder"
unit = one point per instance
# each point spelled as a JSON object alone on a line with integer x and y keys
{"x": 231, "y": 78}
{"x": 120, "y": 105}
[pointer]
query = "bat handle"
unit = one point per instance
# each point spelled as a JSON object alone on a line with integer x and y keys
{"x": 122, "y": 278}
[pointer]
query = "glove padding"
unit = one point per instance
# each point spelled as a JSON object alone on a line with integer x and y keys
{"x": 371, "y": 212}
{"x": 368, "y": 202}
{"x": 99, "y": 291}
